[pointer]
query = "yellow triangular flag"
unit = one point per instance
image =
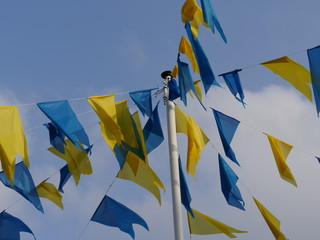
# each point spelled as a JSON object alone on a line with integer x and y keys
{"x": 198, "y": 89}
{"x": 293, "y": 72}
{"x": 12, "y": 140}
{"x": 174, "y": 72}
{"x": 281, "y": 151}
{"x": 77, "y": 160}
{"x": 189, "y": 10}
{"x": 186, "y": 48}
{"x": 49, "y": 191}
{"x": 272, "y": 221}
{"x": 202, "y": 224}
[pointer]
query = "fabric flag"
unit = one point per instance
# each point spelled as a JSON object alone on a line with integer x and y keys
{"x": 206, "y": 73}
{"x": 198, "y": 89}
{"x": 202, "y": 224}
{"x": 64, "y": 177}
{"x": 186, "y": 48}
{"x": 211, "y": 19}
{"x": 184, "y": 190}
{"x": 272, "y": 221}
{"x": 314, "y": 63}
{"x": 23, "y": 184}
{"x": 77, "y": 160}
{"x": 174, "y": 91}
{"x": 280, "y": 152}
{"x": 229, "y": 188}
{"x": 318, "y": 159}
{"x": 114, "y": 214}
{"x": 143, "y": 100}
{"x": 197, "y": 139}
{"x": 232, "y": 80}
{"x": 10, "y": 227}
{"x": 227, "y": 127}
{"x": 56, "y": 136}
{"x": 293, "y": 72}
{"x": 49, "y": 191}
{"x": 12, "y": 140}
{"x": 152, "y": 131}
{"x": 174, "y": 72}
{"x": 105, "y": 108}
{"x": 62, "y": 115}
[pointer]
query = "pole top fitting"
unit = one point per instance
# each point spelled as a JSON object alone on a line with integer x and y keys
{"x": 165, "y": 74}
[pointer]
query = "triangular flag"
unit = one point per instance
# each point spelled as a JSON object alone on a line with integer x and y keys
{"x": 23, "y": 184}
{"x": 184, "y": 190}
{"x": 49, "y": 191}
{"x": 206, "y": 73}
{"x": 293, "y": 72}
{"x": 186, "y": 48}
{"x": 227, "y": 127}
{"x": 198, "y": 89}
{"x": 314, "y": 62}
{"x": 152, "y": 131}
{"x": 114, "y": 214}
{"x": 211, "y": 19}
{"x": 143, "y": 100}
{"x": 233, "y": 82}
{"x": 271, "y": 220}
{"x": 174, "y": 72}
{"x": 202, "y": 224}
{"x": 12, "y": 140}
{"x": 280, "y": 152}
{"x": 318, "y": 158}
{"x": 64, "y": 177}
{"x": 56, "y": 136}
{"x": 77, "y": 160}
{"x": 62, "y": 115}
{"x": 197, "y": 139}
{"x": 174, "y": 91}
{"x": 10, "y": 227}
{"x": 229, "y": 188}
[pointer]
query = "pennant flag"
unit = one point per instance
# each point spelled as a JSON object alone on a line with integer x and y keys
{"x": 64, "y": 177}
{"x": 56, "y": 136}
{"x": 174, "y": 72}
{"x": 211, "y": 19}
{"x": 198, "y": 90}
{"x": 229, "y": 188}
{"x": 227, "y": 127}
{"x": 232, "y": 80}
{"x": 314, "y": 62}
{"x": 318, "y": 159}
{"x": 10, "y": 227}
{"x": 105, "y": 108}
{"x": 280, "y": 152}
{"x": 205, "y": 69}
{"x": 152, "y": 131}
{"x": 114, "y": 214}
{"x": 23, "y": 184}
{"x": 63, "y": 117}
{"x": 196, "y": 138}
{"x": 202, "y": 224}
{"x": 184, "y": 190}
{"x": 49, "y": 191}
{"x": 77, "y": 160}
{"x": 272, "y": 221}
{"x": 12, "y": 140}
{"x": 174, "y": 91}
{"x": 293, "y": 72}
{"x": 143, "y": 101}
{"x": 186, "y": 48}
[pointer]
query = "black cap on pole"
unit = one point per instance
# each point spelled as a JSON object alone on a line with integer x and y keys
{"x": 165, "y": 74}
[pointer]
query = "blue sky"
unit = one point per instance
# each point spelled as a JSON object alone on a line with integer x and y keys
{"x": 54, "y": 50}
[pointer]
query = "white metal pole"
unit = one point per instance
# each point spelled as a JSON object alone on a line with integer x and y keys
{"x": 174, "y": 160}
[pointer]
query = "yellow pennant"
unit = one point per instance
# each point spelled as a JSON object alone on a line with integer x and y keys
{"x": 293, "y": 72}
{"x": 186, "y": 48}
{"x": 272, "y": 221}
{"x": 281, "y": 151}
{"x": 12, "y": 140}
{"x": 198, "y": 89}
{"x": 202, "y": 224}
{"x": 49, "y": 191}
{"x": 174, "y": 72}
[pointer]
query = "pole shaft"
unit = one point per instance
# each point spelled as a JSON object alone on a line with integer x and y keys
{"x": 174, "y": 164}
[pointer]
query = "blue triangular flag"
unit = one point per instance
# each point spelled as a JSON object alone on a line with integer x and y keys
{"x": 23, "y": 184}
{"x": 314, "y": 63}
{"x": 318, "y": 158}
{"x": 61, "y": 113}
{"x": 232, "y": 80}
{"x": 174, "y": 91}
{"x": 184, "y": 190}
{"x": 206, "y": 73}
{"x": 152, "y": 131}
{"x": 143, "y": 100}
{"x": 211, "y": 19}
{"x": 227, "y": 126}
{"x": 56, "y": 136}
{"x": 10, "y": 227}
{"x": 115, "y": 214}
{"x": 228, "y": 185}
{"x": 64, "y": 177}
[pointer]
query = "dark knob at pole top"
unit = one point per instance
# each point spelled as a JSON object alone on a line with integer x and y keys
{"x": 165, "y": 74}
